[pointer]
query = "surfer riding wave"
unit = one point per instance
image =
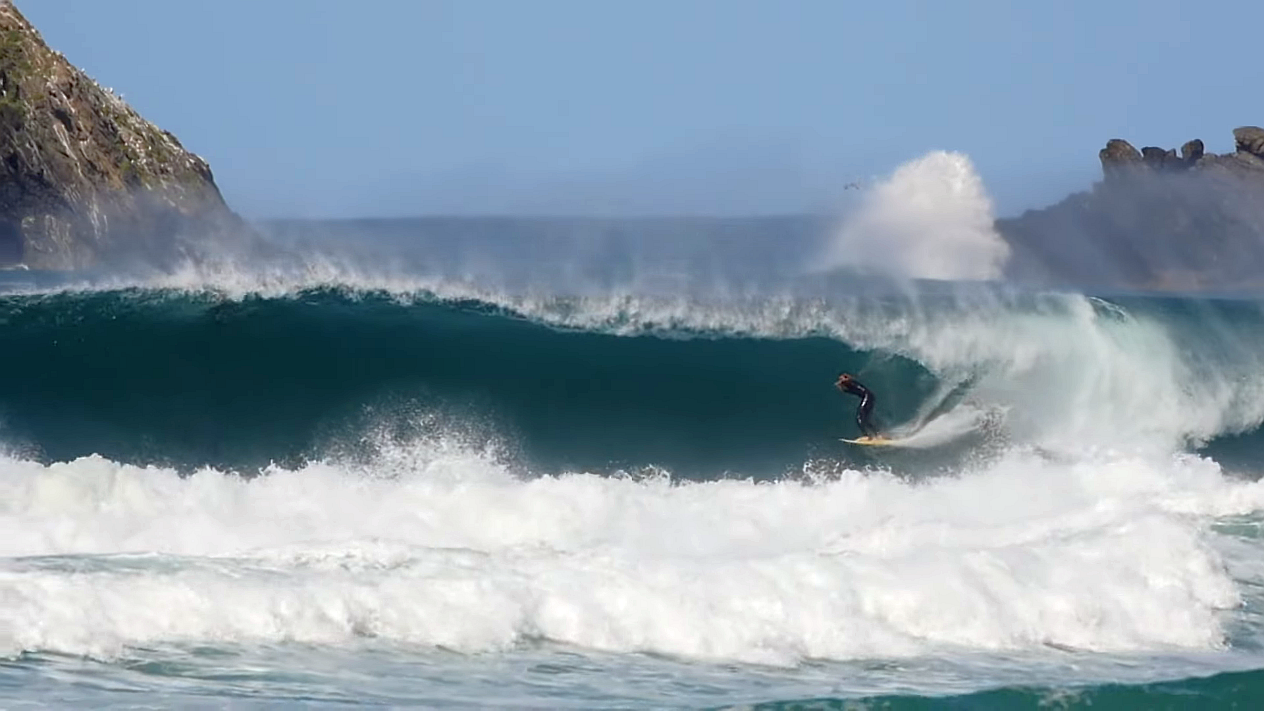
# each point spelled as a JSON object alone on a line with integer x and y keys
{"x": 847, "y": 384}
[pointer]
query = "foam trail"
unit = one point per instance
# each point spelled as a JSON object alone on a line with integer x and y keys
{"x": 445, "y": 547}
{"x": 932, "y": 219}
{"x": 950, "y": 426}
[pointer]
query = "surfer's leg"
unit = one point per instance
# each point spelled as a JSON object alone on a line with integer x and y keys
{"x": 862, "y": 418}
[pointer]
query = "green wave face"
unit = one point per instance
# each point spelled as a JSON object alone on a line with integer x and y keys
{"x": 192, "y": 380}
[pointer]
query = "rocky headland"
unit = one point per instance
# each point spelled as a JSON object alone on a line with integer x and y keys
{"x": 1159, "y": 219}
{"x": 85, "y": 181}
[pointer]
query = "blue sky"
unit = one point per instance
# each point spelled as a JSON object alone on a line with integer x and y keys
{"x": 326, "y": 108}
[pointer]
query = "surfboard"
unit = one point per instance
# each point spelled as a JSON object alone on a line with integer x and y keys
{"x": 868, "y": 442}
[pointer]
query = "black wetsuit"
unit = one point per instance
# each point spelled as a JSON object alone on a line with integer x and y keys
{"x": 866, "y": 406}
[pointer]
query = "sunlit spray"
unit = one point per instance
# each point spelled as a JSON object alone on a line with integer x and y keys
{"x": 931, "y": 219}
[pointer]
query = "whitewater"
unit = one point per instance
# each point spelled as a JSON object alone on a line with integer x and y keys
{"x": 438, "y": 475}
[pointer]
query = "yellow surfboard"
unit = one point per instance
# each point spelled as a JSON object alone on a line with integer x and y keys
{"x": 873, "y": 441}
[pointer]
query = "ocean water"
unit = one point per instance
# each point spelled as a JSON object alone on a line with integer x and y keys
{"x": 577, "y": 464}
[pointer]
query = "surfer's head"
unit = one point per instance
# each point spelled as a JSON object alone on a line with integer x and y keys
{"x": 844, "y": 377}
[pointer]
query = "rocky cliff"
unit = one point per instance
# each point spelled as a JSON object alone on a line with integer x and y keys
{"x": 1158, "y": 219}
{"x": 85, "y": 182}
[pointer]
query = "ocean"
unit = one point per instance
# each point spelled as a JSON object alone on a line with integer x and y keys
{"x": 585, "y": 464}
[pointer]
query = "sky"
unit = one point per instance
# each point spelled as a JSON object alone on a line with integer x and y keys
{"x": 387, "y": 108}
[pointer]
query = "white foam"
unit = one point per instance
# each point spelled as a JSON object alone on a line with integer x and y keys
{"x": 451, "y": 549}
{"x": 931, "y": 219}
{"x": 950, "y": 426}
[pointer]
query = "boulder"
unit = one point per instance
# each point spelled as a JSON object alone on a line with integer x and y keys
{"x": 1118, "y": 155}
{"x": 1192, "y": 151}
{"x": 1153, "y": 157}
{"x": 1250, "y": 139}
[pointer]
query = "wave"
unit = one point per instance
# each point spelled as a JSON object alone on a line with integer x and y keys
{"x": 440, "y": 546}
{"x": 698, "y": 385}
{"x": 189, "y": 379}
{"x": 635, "y": 461}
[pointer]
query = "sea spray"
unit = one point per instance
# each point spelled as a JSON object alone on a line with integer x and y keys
{"x": 931, "y": 219}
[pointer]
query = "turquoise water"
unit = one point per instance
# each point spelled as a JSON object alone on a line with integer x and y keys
{"x": 385, "y": 675}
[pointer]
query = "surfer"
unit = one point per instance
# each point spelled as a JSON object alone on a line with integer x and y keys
{"x": 848, "y": 384}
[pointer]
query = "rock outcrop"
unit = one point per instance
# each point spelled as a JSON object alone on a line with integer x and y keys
{"x": 1156, "y": 220}
{"x": 1250, "y": 139}
{"x": 85, "y": 182}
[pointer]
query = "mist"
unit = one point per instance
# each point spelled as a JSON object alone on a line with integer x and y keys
{"x": 1165, "y": 230}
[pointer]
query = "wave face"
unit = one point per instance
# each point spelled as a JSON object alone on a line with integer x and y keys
{"x": 191, "y": 379}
